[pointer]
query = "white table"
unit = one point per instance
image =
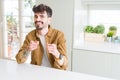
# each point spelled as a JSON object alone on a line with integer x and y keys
{"x": 10, "y": 70}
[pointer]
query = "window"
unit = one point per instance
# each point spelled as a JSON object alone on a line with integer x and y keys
{"x": 11, "y": 27}
{"x": 106, "y": 14}
{"x": 94, "y": 13}
{"x": 18, "y": 20}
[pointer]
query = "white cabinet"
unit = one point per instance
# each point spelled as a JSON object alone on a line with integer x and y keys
{"x": 96, "y": 63}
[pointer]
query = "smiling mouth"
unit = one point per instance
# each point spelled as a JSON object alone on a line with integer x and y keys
{"x": 38, "y": 22}
{"x": 38, "y": 28}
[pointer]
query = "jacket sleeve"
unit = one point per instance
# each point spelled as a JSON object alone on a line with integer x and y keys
{"x": 61, "y": 46}
{"x": 20, "y": 57}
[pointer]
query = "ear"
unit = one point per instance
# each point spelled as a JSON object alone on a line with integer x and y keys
{"x": 49, "y": 20}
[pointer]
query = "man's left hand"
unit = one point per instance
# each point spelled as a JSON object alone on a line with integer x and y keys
{"x": 52, "y": 48}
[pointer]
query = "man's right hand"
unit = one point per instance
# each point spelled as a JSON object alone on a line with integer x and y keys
{"x": 33, "y": 45}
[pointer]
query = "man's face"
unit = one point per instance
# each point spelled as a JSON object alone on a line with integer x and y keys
{"x": 41, "y": 20}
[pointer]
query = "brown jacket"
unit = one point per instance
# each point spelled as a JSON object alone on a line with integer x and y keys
{"x": 53, "y": 37}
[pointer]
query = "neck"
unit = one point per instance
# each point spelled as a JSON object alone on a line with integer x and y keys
{"x": 43, "y": 32}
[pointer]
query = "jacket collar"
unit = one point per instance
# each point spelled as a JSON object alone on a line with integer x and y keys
{"x": 49, "y": 31}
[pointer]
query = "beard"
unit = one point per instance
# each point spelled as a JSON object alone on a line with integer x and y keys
{"x": 38, "y": 27}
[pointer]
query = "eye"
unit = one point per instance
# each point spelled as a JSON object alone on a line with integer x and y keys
{"x": 35, "y": 16}
{"x": 42, "y": 16}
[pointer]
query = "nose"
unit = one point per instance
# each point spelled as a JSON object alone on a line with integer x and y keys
{"x": 38, "y": 18}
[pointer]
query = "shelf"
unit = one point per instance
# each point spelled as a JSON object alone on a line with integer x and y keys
{"x": 100, "y": 47}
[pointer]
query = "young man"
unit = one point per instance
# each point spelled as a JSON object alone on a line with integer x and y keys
{"x": 45, "y": 45}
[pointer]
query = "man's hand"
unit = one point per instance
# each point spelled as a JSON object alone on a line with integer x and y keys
{"x": 33, "y": 45}
{"x": 52, "y": 48}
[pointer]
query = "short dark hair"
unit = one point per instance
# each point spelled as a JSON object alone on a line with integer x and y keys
{"x": 42, "y": 8}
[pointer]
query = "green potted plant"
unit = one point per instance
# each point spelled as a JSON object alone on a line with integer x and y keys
{"x": 89, "y": 29}
{"x": 113, "y": 29}
{"x": 109, "y": 36}
{"x": 94, "y": 34}
{"x": 99, "y": 29}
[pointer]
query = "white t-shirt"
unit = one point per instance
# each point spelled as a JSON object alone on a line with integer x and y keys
{"x": 45, "y": 61}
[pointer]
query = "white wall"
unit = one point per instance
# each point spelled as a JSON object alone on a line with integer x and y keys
{"x": 63, "y": 20}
